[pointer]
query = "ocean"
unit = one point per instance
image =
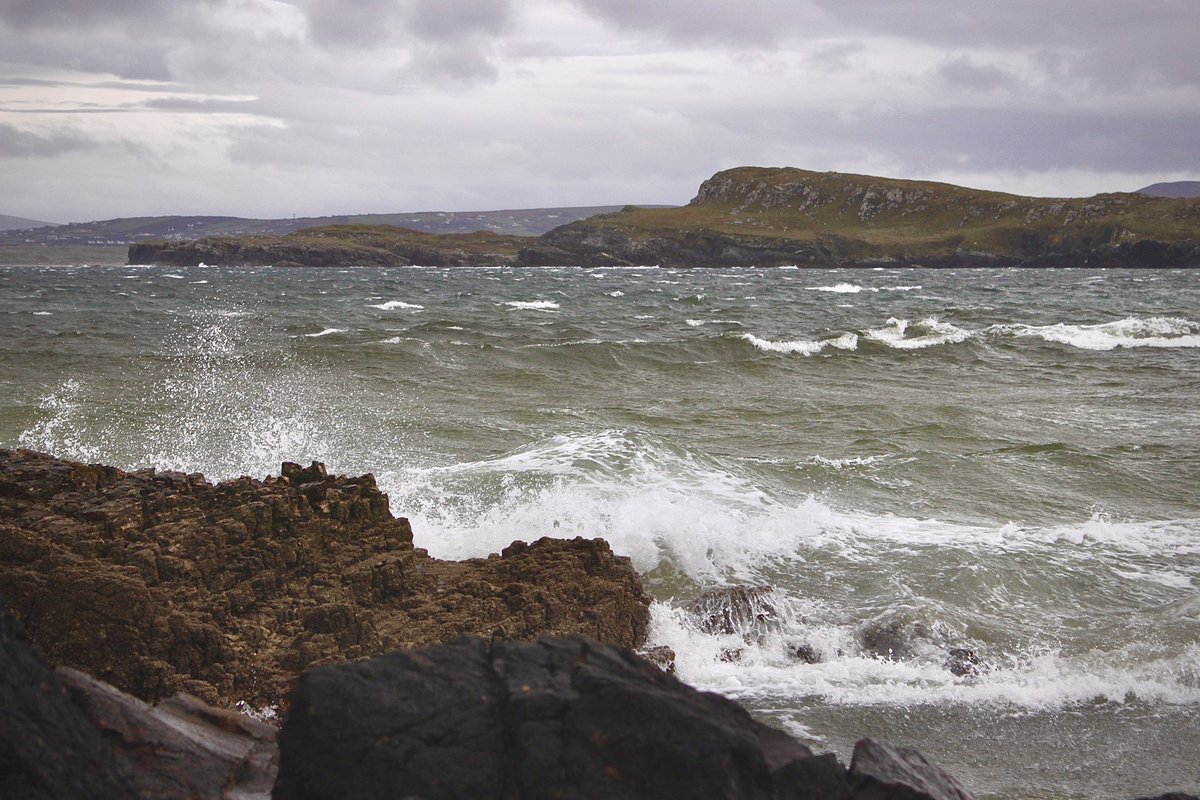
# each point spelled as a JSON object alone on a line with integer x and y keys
{"x": 1000, "y": 463}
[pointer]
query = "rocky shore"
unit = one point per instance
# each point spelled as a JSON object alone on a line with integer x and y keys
{"x": 138, "y": 610}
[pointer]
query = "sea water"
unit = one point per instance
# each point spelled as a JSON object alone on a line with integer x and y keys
{"x": 1005, "y": 462}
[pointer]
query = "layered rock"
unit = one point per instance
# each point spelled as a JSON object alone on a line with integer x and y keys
{"x": 161, "y": 582}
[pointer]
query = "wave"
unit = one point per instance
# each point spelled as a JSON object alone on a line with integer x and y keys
{"x": 903, "y": 334}
{"x": 839, "y": 288}
{"x": 806, "y": 347}
{"x": 326, "y": 332}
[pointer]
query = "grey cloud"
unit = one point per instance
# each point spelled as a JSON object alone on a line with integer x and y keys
{"x": 16, "y": 143}
{"x": 965, "y": 72}
{"x": 705, "y": 21}
{"x": 997, "y": 140}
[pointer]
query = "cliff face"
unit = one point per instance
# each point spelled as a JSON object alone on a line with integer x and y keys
{"x": 164, "y": 582}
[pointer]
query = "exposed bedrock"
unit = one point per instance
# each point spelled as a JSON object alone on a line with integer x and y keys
{"x": 161, "y": 582}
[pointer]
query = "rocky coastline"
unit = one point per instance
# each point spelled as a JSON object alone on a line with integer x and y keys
{"x": 140, "y": 610}
{"x": 770, "y": 217}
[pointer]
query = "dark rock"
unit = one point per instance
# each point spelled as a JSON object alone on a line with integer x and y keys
{"x": 1172, "y": 796}
{"x": 742, "y": 610}
{"x": 48, "y": 748}
{"x": 558, "y": 718}
{"x": 818, "y": 778}
{"x": 882, "y": 771}
{"x": 962, "y": 662}
{"x": 162, "y": 583}
{"x": 181, "y": 747}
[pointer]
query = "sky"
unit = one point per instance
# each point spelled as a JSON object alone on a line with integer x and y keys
{"x": 274, "y": 108}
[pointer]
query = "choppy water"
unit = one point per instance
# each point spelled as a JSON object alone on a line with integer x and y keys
{"x": 1002, "y": 461}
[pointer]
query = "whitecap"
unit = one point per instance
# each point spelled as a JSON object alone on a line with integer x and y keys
{"x": 1123, "y": 333}
{"x": 392, "y": 305}
{"x": 532, "y": 305}
{"x": 839, "y": 288}
{"x": 325, "y": 332}
{"x": 929, "y": 332}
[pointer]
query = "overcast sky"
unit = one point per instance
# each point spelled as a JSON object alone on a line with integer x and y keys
{"x": 269, "y": 108}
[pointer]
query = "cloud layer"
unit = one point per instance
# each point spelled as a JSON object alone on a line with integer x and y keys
{"x": 268, "y": 108}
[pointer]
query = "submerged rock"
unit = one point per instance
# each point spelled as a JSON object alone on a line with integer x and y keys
{"x": 743, "y": 610}
{"x": 161, "y": 582}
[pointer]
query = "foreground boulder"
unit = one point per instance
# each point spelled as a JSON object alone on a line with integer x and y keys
{"x": 161, "y": 582}
{"x": 48, "y": 749}
{"x": 66, "y": 736}
{"x": 564, "y": 717}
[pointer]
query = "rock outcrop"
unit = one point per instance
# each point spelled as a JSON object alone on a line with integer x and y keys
{"x": 161, "y": 582}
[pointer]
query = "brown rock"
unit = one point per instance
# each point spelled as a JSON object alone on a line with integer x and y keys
{"x": 160, "y": 582}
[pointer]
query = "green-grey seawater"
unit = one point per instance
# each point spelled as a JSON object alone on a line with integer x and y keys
{"x": 1001, "y": 461}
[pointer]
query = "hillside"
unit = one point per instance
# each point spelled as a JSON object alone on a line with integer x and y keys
{"x": 338, "y": 245}
{"x": 773, "y": 216}
{"x": 8, "y": 223}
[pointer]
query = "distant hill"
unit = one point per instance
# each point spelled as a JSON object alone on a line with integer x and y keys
{"x": 8, "y": 223}
{"x": 131, "y": 230}
{"x": 1172, "y": 189}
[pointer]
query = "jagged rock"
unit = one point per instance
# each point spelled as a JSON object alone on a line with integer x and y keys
{"x": 742, "y": 610}
{"x": 48, "y": 748}
{"x": 563, "y": 717}
{"x": 180, "y": 747}
{"x": 805, "y": 652}
{"x": 882, "y": 771}
{"x": 162, "y": 582}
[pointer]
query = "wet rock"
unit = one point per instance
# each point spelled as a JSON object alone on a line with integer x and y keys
{"x": 181, "y": 747}
{"x": 161, "y": 582}
{"x": 818, "y": 778}
{"x": 563, "y": 717}
{"x": 882, "y": 771}
{"x": 803, "y": 651}
{"x": 743, "y": 610}
{"x": 48, "y": 749}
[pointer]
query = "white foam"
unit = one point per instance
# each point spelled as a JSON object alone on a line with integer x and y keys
{"x": 533, "y": 305}
{"x": 392, "y": 305}
{"x": 1044, "y": 679}
{"x": 326, "y": 332}
{"x": 616, "y": 293}
{"x": 43, "y": 313}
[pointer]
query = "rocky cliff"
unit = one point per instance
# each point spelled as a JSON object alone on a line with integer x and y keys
{"x": 161, "y": 582}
